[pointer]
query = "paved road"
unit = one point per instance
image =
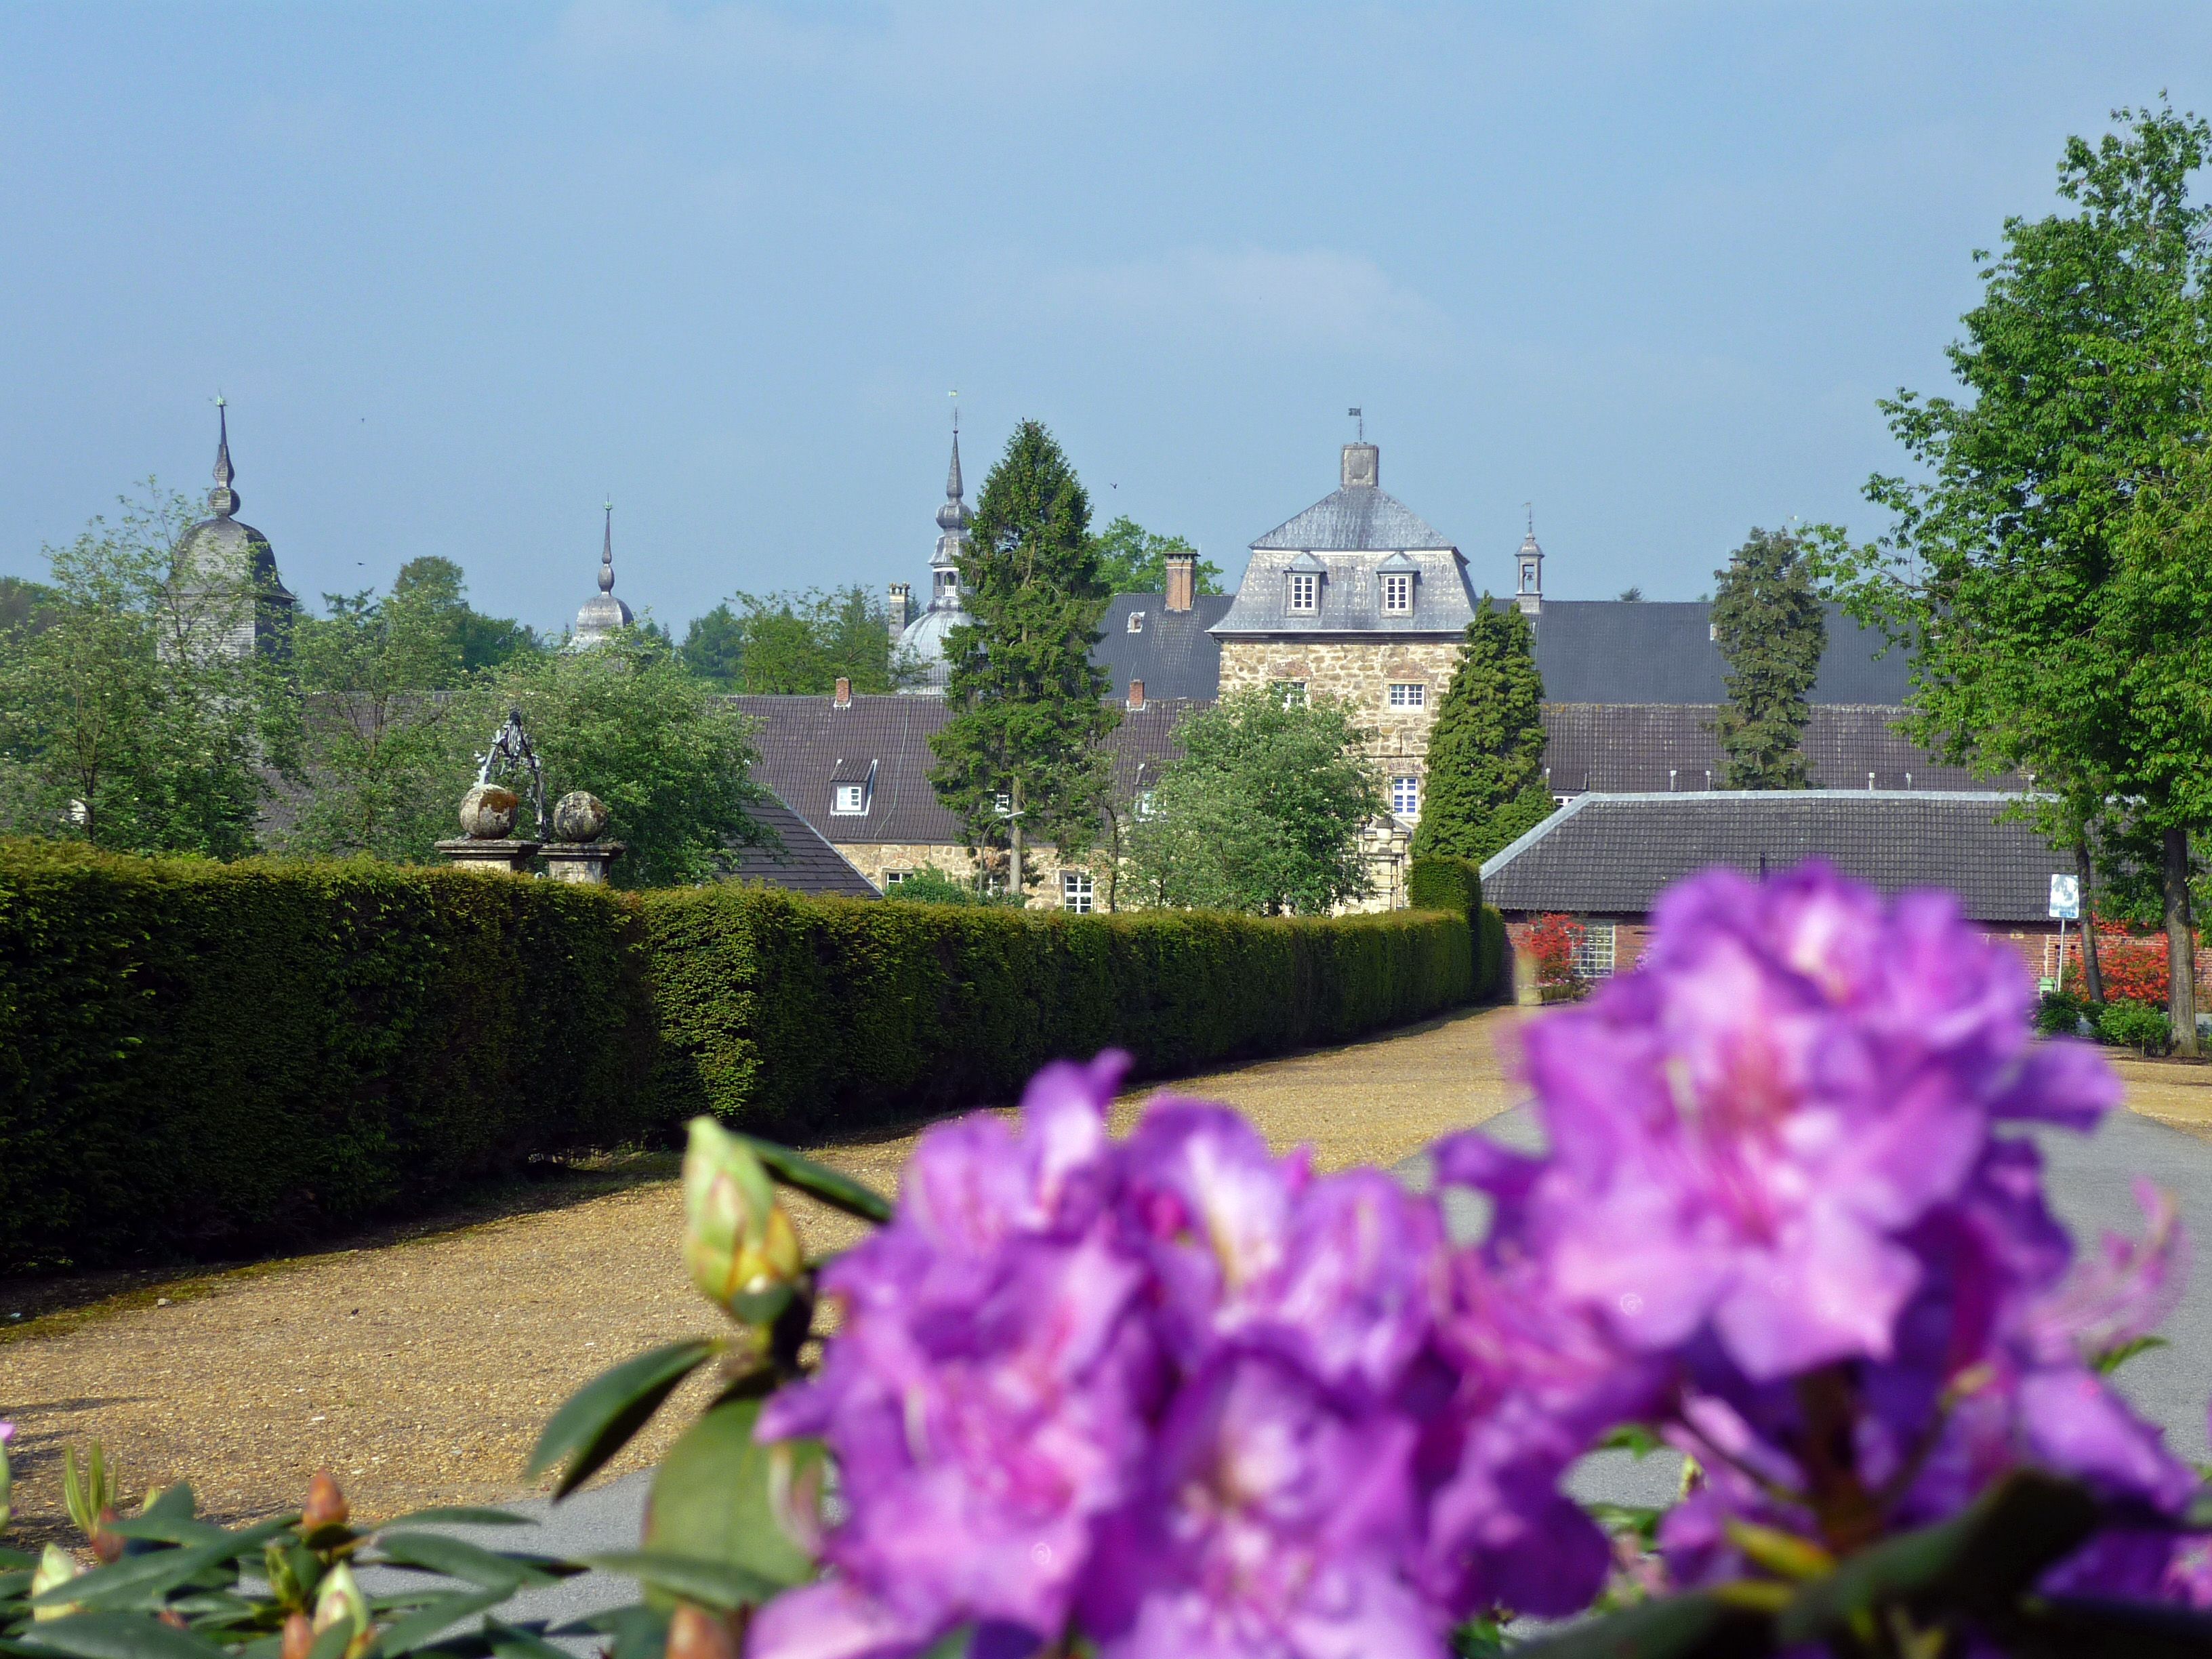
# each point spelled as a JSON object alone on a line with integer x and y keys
{"x": 2091, "y": 1185}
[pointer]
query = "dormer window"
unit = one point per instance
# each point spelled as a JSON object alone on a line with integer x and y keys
{"x": 1304, "y": 596}
{"x": 1136, "y": 622}
{"x": 851, "y": 798}
{"x": 1397, "y": 594}
{"x": 852, "y": 782}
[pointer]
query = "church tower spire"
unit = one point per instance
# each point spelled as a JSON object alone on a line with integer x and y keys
{"x": 222, "y": 500}
{"x": 952, "y": 519}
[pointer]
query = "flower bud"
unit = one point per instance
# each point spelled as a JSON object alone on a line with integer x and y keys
{"x": 292, "y": 1571}
{"x": 737, "y": 1242}
{"x": 299, "y": 1638}
{"x": 55, "y": 1567}
{"x": 327, "y": 1505}
{"x": 694, "y": 1633}
{"x": 107, "y": 1545}
{"x": 341, "y": 1601}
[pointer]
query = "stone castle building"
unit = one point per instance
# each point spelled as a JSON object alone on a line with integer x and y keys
{"x": 226, "y": 572}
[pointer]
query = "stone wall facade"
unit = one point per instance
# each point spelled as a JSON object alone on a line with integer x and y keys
{"x": 877, "y": 860}
{"x": 1362, "y": 672}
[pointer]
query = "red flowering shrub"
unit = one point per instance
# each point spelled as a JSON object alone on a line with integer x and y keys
{"x": 1553, "y": 943}
{"x": 2133, "y": 965}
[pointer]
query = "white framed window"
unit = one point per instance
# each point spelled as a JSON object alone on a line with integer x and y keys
{"x": 1145, "y": 803}
{"x": 1304, "y": 593}
{"x": 1292, "y": 692}
{"x": 1405, "y": 796}
{"x": 893, "y": 878}
{"x": 1398, "y": 594}
{"x": 1136, "y": 622}
{"x": 1408, "y": 696}
{"x": 850, "y": 798}
{"x": 1075, "y": 892}
{"x": 1593, "y": 956}
{"x": 1004, "y": 803}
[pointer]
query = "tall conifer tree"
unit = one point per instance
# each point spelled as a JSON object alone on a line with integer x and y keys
{"x": 1028, "y": 708}
{"x": 1485, "y": 784}
{"x": 1771, "y": 631}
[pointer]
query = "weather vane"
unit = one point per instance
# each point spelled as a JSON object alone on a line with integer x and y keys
{"x": 1362, "y": 419}
{"x": 955, "y": 395}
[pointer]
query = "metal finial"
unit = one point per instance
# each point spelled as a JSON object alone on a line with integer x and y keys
{"x": 222, "y": 500}
{"x": 1531, "y": 509}
{"x": 1358, "y": 416}
{"x": 955, "y": 395}
{"x": 607, "y": 554}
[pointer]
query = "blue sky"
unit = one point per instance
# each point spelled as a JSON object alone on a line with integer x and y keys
{"x": 463, "y": 272}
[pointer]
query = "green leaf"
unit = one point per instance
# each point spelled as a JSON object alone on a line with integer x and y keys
{"x": 424, "y": 1625}
{"x": 142, "y": 1580}
{"x": 840, "y": 1191}
{"x": 175, "y": 1501}
{"x": 717, "y": 1494}
{"x": 166, "y": 1528}
{"x": 458, "y": 1558}
{"x": 715, "y": 1584}
{"x": 1632, "y": 1438}
{"x": 597, "y": 1421}
{"x": 953, "y": 1644}
{"x": 2070, "y": 1625}
{"x": 518, "y": 1642}
{"x": 639, "y": 1632}
{"x": 2120, "y": 1352}
{"x": 1982, "y": 1559}
{"x": 117, "y": 1636}
{"x": 458, "y": 1515}
{"x": 1697, "y": 1626}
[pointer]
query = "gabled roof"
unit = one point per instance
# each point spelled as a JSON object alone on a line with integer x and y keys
{"x": 1358, "y": 518}
{"x": 1172, "y": 652}
{"x": 1663, "y": 651}
{"x": 1611, "y": 854}
{"x": 804, "y": 862}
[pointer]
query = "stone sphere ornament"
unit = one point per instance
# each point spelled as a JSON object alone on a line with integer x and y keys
{"x": 488, "y": 812}
{"x": 578, "y": 815}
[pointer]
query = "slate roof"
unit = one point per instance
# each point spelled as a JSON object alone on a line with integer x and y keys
{"x": 1610, "y": 854}
{"x": 807, "y": 744}
{"x": 1360, "y": 518}
{"x": 1621, "y": 747}
{"x": 1173, "y": 653}
{"x": 1351, "y": 598}
{"x": 1663, "y": 651}
{"x": 805, "y": 862}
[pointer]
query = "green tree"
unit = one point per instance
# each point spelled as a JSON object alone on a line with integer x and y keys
{"x": 121, "y": 720}
{"x": 2030, "y": 564}
{"x": 378, "y": 757}
{"x": 1028, "y": 708}
{"x": 799, "y": 643}
{"x": 1771, "y": 631}
{"x": 1133, "y": 560}
{"x": 436, "y": 589}
{"x": 1486, "y": 774}
{"x": 20, "y": 602}
{"x": 1262, "y": 811}
{"x": 628, "y": 722}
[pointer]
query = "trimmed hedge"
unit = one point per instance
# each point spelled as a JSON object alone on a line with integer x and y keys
{"x": 1490, "y": 954}
{"x": 827, "y": 1015}
{"x": 197, "y": 1056}
{"x": 1445, "y": 884}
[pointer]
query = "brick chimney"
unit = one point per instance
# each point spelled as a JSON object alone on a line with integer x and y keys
{"x": 1182, "y": 579}
{"x": 1136, "y": 694}
{"x": 844, "y": 696}
{"x": 900, "y": 610}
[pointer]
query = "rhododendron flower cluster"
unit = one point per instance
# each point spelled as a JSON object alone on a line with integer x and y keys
{"x": 1176, "y": 1395}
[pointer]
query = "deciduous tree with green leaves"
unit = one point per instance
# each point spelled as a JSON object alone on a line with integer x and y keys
{"x": 435, "y": 589}
{"x": 799, "y": 643}
{"x": 1133, "y": 560}
{"x": 1486, "y": 778}
{"x": 2041, "y": 561}
{"x": 1771, "y": 629}
{"x": 1262, "y": 811}
{"x": 1027, "y": 704}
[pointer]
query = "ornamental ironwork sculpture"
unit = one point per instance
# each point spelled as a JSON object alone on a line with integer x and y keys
{"x": 510, "y": 752}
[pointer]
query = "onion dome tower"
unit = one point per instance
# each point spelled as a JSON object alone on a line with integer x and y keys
{"x": 603, "y": 613}
{"x": 925, "y": 635}
{"x": 229, "y": 571}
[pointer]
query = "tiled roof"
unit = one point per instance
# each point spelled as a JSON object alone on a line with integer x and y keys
{"x": 807, "y": 744}
{"x": 1351, "y": 597}
{"x": 805, "y": 862}
{"x": 1610, "y": 854}
{"x": 1171, "y": 653}
{"x": 1663, "y": 651}
{"x": 1358, "y": 518}
{"x": 1619, "y": 747}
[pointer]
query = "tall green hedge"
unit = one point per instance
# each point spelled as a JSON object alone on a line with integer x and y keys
{"x": 198, "y": 1057}
{"x": 820, "y": 1015}
{"x": 1443, "y": 883}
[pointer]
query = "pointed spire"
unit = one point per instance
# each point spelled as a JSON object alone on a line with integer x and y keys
{"x": 222, "y": 500}
{"x": 607, "y": 554}
{"x": 953, "y": 516}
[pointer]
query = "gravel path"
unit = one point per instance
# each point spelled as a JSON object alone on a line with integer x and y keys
{"x": 421, "y": 1371}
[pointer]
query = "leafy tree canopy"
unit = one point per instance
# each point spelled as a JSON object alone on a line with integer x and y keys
{"x": 436, "y": 589}
{"x": 1263, "y": 810}
{"x": 1486, "y": 773}
{"x": 1771, "y": 631}
{"x": 799, "y": 643}
{"x": 1133, "y": 560}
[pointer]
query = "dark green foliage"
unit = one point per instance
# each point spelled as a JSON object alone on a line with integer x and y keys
{"x": 2135, "y": 1026}
{"x": 798, "y": 644}
{"x": 1486, "y": 783}
{"x": 1133, "y": 560}
{"x": 436, "y": 588}
{"x": 931, "y": 885}
{"x": 1026, "y": 699}
{"x": 1490, "y": 953}
{"x": 1445, "y": 884}
{"x": 934, "y": 1007}
{"x": 197, "y": 1056}
{"x": 20, "y": 603}
{"x": 1772, "y": 631}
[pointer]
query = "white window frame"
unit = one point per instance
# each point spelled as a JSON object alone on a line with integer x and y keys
{"x": 1405, "y": 796}
{"x": 1397, "y": 593}
{"x": 1594, "y": 957}
{"x": 1136, "y": 622}
{"x": 1144, "y": 807}
{"x": 1292, "y": 692}
{"x": 849, "y": 799}
{"x": 1302, "y": 594}
{"x": 895, "y": 878}
{"x": 1078, "y": 893}
{"x": 1409, "y": 694}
